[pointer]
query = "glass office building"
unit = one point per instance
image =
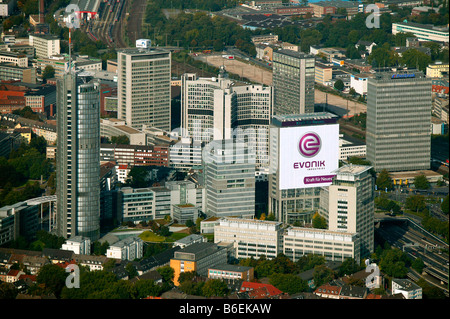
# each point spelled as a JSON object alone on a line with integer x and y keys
{"x": 78, "y": 157}
{"x": 398, "y": 121}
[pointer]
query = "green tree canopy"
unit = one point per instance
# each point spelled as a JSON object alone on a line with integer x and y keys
{"x": 421, "y": 182}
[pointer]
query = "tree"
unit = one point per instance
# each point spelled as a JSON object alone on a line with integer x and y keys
{"x": 415, "y": 203}
{"x": 52, "y": 278}
{"x": 339, "y": 85}
{"x": 121, "y": 139}
{"x": 384, "y": 180}
{"x": 349, "y": 266}
{"x": 288, "y": 283}
{"x": 167, "y": 273}
{"x": 48, "y": 73}
{"x": 322, "y": 274}
{"x": 421, "y": 182}
{"x": 418, "y": 265}
{"x": 215, "y": 287}
{"x": 319, "y": 222}
{"x": 414, "y": 58}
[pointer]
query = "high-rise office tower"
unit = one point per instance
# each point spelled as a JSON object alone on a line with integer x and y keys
{"x": 348, "y": 204}
{"x": 304, "y": 152}
{"x": 206, "y": 107}
{"x": 215, "y": 109}
{"x": 78, "y": 157}
{"x": 293, "y": 82}
{"x": 229, "y": 178}
{"x": 398, "y": 121}
{"x": 143, "y": 87}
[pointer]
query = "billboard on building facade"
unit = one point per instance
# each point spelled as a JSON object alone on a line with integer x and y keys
{"x": 308, "y": 155}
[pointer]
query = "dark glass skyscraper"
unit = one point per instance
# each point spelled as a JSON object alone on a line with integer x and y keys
{"x": 398, "y": 135}
{"x": 78, "y": 157}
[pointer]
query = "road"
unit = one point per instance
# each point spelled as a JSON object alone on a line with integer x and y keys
{"x": 418, "y": 245}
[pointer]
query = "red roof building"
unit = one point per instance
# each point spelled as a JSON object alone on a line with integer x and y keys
{"x": 260, "y": 291}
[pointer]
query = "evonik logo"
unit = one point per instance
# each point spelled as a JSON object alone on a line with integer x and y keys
{"x": 309, "y": 144}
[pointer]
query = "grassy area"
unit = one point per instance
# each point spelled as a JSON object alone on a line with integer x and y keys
{"x": 152, "y": 237}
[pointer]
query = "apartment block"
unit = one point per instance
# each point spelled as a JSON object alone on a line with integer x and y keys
{"x": 129, "y": 248}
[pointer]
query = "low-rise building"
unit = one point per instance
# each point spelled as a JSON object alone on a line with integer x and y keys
{"x": 129, "y": 248}
{"x": 198, "y": 257}
{"x": 333, "y": 245}
{"x": 78, "y": 244}
{"x": 250, "y": 237}
{"x": 231, "y": 272}
{"x": 407, "y": 288}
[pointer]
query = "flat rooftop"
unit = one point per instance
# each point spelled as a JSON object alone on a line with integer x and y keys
{"x": 304, "y": 119}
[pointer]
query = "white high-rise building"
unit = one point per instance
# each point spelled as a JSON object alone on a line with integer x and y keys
{"x": 348, "y": 204}
{"x": 215, "y": 109}
{"x": 143, "y": 89}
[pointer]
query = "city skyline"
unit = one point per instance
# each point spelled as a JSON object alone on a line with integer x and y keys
{"x": 266, "y": 149}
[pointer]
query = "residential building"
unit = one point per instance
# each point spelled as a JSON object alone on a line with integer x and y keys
{"x": 250, "y": 237}
{"x": 78, "y": 157}
{"x": 130, "y": 248}
{"x": 198, "y": 257}
{"x": 78, "y": 245}
{"x": 293, "y": 82}
{"x": 143, "y": 87}
{"x": 398, "y": 121}
{"x": 295, "y": 177}
{"x": 407, "y": 288}
{"x": 229, "y": 179}
{"x": 45, "y": 45}
{"x": 270, "y": 38}
{"x": 424, "y": 32}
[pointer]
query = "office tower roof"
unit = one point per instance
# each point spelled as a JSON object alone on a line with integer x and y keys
{"x": 304, "y": 119}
